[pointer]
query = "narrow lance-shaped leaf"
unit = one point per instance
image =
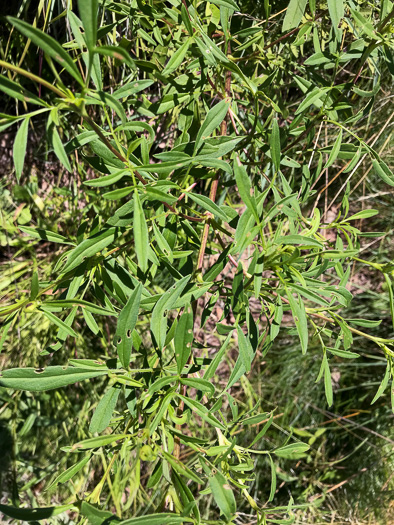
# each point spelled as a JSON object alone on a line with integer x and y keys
{"x": 244, "y": 188}
{"x": 38, "y": 380}
{"x": 61, "y": 324}
{"x": 49, "y": 45}
{"x": 15, "y": 90}
{"x": 103, "y": 413}
{"x": 29, "y": 515}
{"x": 70, "y": 472}
{"x": 300, "y": 319}
{"x": 208, "y": 205}
{"x": 183, "y": 340}
{"x": 126, "y": 323}
{"x": 337, "y": 11}
{"x": 383, "y": 384}
{"x": 287, "y": 451}
{"x": 19, "y": 150}
{"x": 214, "y": 118}
{"x": 88, "y": 13}
{"x": 157, "y": 519}
{"x": 327, "y": 381}
{"x": 334, "y": 152}
{"x": 383, "y": 171}
{"x": 158, "y": 322}
{"x": 294, "y": 13}
{"x": 221, "y": 491}
{"x": 89, "y": 247}
{"x": 59, "y": 150}
{"x": 275, "y": 144}
{"x": 177, "y": 58}
{"x": 245, "y": 349}
{"x": 273, "y": 480}
{"x": 141, "y": 234}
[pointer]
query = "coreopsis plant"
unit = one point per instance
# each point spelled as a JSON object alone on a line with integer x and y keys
{"x": 198, "y": 129}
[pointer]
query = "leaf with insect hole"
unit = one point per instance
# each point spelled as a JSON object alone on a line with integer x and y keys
{"x": 183, "y": 340}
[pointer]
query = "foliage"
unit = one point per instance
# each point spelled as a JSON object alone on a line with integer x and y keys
{"x": 194, "y": 130}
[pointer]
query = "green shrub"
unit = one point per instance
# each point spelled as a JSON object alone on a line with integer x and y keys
{"x": 196, "y": 131}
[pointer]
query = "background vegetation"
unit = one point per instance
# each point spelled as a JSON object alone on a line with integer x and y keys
{"x": 303, "y": 90}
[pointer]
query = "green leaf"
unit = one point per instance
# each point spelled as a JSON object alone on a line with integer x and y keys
{"x": 58, "y": 304}
{"x": 117, "y": 53}
{"x": 90, "y": 321}
{"x": 161, "y": 412}
{"x": 184, "y": 491}
{"x": 96, "y": 516}
{"x": 230, "y": 4}
{"x": 294, "y": 13}
{"x": 383, "y": 384}
{"x": 130, "y": 88}
{"x": 19, "y": 150}
{"x": 141, "y": 234}
{"x": 289, "y": 451}
{"x": 34, "y": 514}
{"x": 207, "y": 204}
{"x": 327, "y": 381}
{"x": 275, "y": 144}
{"x": 89, "y": 247}
{"x": 221, "y": 491}
{"x": 59, "y": 150}
{"x": 179, "y": 467}
{"x": 383, "y": 171}
{"x": 334, "y": 152}
{"x": 61, "y": 324}
{"x": 202, "y": 412}
{"x": 199, "y": 384}
{"x": 70, "y": 472}
{"x": 300, "y": 319}
{"x": 310, "y": 99}
{"x": 214, "y": 118}
{"x": 364, "y": 214}
{"x": 273, "y": 480}
{"x": 156, "y": 519}
{"x": 158, "y": 322}
{"x": 244, "y": 188}
{"x": 49, "y": 45}
{"x": 343, "y": 353}
{"x": 15, "y": 90}
{"x": 186, "y": 19}
{"x": 45, "y": 235}
{"x": 210, "y": 371}
{"x": 245, "y": 349}
{"x": 106, "y": 180}
{"x": 337, "y": 12}
{"x": 103, "y": 413}
{"x": 126, "y": 324}
{"x": 96, "y": 442}
{"x": 88, "y": 12}
{"x": 263, "y": 431}
{"x": 38, "y": 380}
{"x": 183, "y": 340}
{"x": 298, "y": 239}
{"x": 138, "y": 125}
{"x": 177, "y": 58}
